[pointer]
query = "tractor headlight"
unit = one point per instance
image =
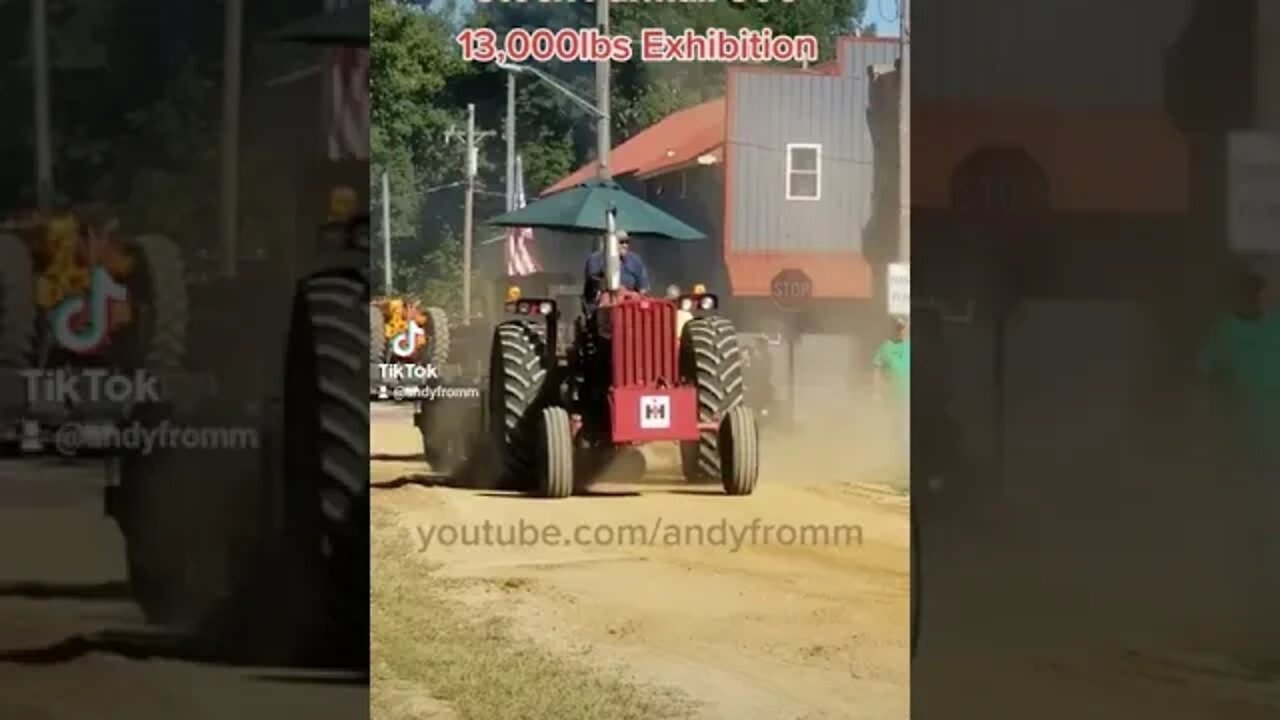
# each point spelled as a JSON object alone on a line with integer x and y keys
{"x": 522, "y": 308}
{"x": 546, "y": 308}
{"x": 686, "y": 304}
{"x": 359, "y": 234}
{"x": 343, "y": 201}
{"x": 708, "y": 302}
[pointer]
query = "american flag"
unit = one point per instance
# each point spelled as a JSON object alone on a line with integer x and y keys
{"x": 520, "y": 259}
{"x": 346, "y": 99}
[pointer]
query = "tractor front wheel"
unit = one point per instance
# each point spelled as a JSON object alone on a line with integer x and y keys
{"x": 555, "y": 454}
{"x": 160, "y": 330}
{"x": 377, "y": 336}
{"x": 739, "y": 452}
{"x": 17, "y": 303}
{"x": 438, "y": 337}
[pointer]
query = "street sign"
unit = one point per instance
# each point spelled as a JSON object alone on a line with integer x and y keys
{"x": 1253, "y": 186}
{"x": 899, "y": 282}
{"x": 791, "y": 288}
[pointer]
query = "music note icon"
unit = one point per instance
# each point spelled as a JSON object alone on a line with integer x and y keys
{"x": 405, "y": 344}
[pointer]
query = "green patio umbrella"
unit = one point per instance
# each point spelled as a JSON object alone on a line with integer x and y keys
{"x": 582, "y": 209}
{"x": 344, "y": 27}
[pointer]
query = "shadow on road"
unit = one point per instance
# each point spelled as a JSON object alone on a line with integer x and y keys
{"x": 151, "y": 644}
{"x": 108, "y": 591}
{"x": 576, "y": 493}
{"x": 135, "y": 645}
{"x": 397, "y": 457}
{"x": 420, "y": 479}
{"x": 354, "y": 679}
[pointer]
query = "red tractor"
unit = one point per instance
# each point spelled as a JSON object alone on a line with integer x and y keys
{"x": 633, "y": 375}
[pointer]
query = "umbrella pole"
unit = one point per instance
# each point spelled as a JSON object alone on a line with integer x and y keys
{"x": 613, "y": 260}
{"x": 467, "y": 221}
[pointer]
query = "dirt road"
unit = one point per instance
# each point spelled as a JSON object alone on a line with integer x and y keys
{"x": 73, "y": 645}
{"x": 769, "y": 626}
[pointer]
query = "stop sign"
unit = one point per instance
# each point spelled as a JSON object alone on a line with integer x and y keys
{"x": 791, "y": 288}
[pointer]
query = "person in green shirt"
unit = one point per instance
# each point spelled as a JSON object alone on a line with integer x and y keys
{"x": 1242, "y": 352}
{"x": 892, "y": 366}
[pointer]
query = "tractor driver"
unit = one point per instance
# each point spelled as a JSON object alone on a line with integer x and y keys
{"x": 633, "y": 275}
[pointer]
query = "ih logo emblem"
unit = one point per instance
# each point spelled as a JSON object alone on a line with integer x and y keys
{"x": 655, "y": 412}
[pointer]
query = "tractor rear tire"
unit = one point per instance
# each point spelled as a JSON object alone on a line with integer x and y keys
{"x": 555, "y": 454}
{"x": 739, "y": 452}
{"x": 710, "y": 359}
{"x": 517, "y": 375}
{"x": 445, "y": 435}
{"x": 917, "y": 582}
{"x": 164, "y": 344}
{"x": 438, "y": 338}
{"x": 326, "y": 451}
{"x": 377, "y": 336}
{"x": 184, "y": 529}
{"x": 17, "y": 303}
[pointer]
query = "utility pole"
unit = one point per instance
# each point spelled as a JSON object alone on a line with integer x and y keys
{"x": 468, "y": 222}
{"x": 40, "y": 84}
{"x": 602, "y": 93}
{"x": 233, "y": 30}
{"x": 386, "y": 235}
{"x": 472, "y": 140}
{"x": 511, "y": 141}
{"x": 904, "y": 131}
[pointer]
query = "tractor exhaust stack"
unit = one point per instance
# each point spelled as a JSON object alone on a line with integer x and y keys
{"x": 613, "y": 259}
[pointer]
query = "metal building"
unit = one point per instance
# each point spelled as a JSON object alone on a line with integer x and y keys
{"x": 780, "y": 174}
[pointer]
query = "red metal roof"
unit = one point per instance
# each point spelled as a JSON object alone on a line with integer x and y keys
{"x": 678, "y": 139}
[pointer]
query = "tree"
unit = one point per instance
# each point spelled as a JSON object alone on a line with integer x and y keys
{"x": 420, "y": 86}
{"x": 556, "y": 136}
{"x": 412, "y": 64}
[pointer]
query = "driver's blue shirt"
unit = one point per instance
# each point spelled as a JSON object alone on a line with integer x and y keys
{"x": 633, "y": 275}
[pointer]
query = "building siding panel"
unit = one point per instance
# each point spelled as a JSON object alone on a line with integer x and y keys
{"x": 772, "y": 110}
{"x": 1071, "y": 53}
{"x": 857, "y": 53}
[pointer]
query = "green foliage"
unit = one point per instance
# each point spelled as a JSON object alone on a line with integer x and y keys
{"x": 172, "y": 194}
{"x": 412, "y": 63}
{"x": 642, "y": 93}
{"x": 438, "y": 278}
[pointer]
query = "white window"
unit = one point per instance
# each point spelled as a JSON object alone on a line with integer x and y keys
{"x": 804, "y": 171}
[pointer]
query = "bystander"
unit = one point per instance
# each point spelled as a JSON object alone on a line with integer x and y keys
{"x": 892, "y": 366}
{"x": 1242, "y": 353}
